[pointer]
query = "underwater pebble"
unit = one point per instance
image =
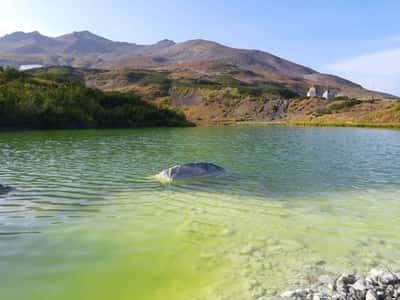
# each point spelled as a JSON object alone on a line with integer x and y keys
{"x": 360, "y": 285}
{"x": 227, "y": 232}
{"x": 327, "y": 280}
{"x": 258, "y": 292}
{"x": 320, "y": 263}
{"x": 370, "y": 296}
{"x": 248, "y": 250}
{"x": 251, "y": 284}
{"x": 258, "y": 254}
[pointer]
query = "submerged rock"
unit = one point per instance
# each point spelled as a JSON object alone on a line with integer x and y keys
{"x": 4, "y": 189}
{"x": 248, "y": 250}
{"x": 188, "y": 171}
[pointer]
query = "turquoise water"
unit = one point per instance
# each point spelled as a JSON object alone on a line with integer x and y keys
{"x": 89, "y": 222}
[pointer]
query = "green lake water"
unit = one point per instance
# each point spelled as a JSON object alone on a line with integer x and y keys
{"x": 87, "y": 221}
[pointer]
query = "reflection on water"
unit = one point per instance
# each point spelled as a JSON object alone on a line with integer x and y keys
{"x": 87, "y": 222}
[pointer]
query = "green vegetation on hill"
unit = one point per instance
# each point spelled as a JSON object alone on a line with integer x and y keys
{"x": 59, "y": 99}
{"x": 162, "y": 83}
{"x": 258, "y": 89}
{"x": 58, "y": 74}
{"x": 338, "y": 104}
{"x": 150, "y": 98}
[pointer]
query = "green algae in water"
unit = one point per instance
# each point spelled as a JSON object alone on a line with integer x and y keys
{"x": 87, "y": 224}
{"x": 147, "y": 262}
{"x": 207, "y": 246}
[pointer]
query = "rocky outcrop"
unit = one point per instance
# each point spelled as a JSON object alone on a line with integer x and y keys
{"x": 326, "y": 93}
{"x": 329, "y": 94}
{"x": 377, "y": 285}
{"x": 312, "y": 92}
{"x": 188, "y": 171}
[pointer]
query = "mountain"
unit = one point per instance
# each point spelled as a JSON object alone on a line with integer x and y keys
{"x": 195, "y": 57}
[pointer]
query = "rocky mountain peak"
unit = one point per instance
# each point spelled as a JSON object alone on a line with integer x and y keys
{"x": 20, "y": 36}
{"x": 166, "y": 42}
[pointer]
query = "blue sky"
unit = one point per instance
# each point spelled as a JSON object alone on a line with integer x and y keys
{"x": 357, "y": 39}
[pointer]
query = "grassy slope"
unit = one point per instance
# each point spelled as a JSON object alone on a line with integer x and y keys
{"x": 344, "y": 112}
{"x": 227, "y": 94}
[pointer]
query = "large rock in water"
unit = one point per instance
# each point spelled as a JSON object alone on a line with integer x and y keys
{"x": 4, "y": 189}
{"x": 188, "y": 171}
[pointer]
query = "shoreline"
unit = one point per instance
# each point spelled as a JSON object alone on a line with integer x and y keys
{"x": 301, "y": 124}
{"x": 221, "y": 124}
{"x": 377, "y": 284}
{"x": 11, "y": 130}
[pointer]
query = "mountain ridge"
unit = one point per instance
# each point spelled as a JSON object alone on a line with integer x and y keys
{"x": 84, "y": 49}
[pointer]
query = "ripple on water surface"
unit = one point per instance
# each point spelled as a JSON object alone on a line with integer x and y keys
{"x": 90, "y": 224}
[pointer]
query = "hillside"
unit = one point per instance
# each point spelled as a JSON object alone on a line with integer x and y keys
{"x": 51, "y": 101}
{"x": 230, "y": 97}
{"x": 193, "y": 58}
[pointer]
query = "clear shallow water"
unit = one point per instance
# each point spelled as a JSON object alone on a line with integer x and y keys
{"x": 88, "y": 222}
